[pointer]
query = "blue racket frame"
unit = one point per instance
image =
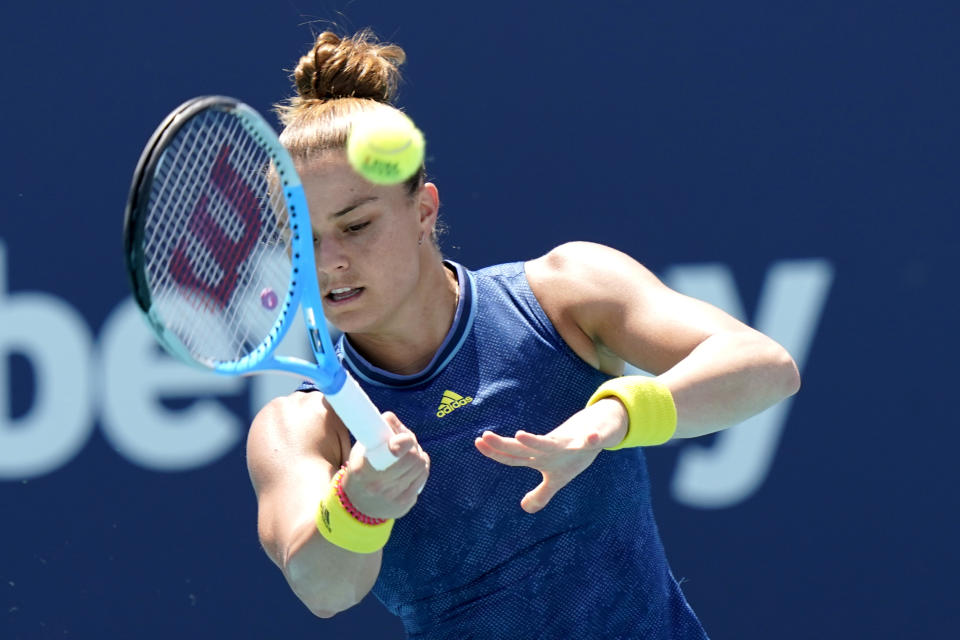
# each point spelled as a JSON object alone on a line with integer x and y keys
{"x": 343, "y": 393}
{"x": 304, "y": 288}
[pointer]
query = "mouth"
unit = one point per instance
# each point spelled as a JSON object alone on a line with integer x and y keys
{"x": 343, "y": 295}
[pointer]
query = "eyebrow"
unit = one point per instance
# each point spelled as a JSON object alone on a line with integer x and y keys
{"x": 354, "y": 205}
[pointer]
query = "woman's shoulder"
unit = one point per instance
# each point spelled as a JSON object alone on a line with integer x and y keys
{"x": 563, "y": 263}
{"x": 568, "y": 281}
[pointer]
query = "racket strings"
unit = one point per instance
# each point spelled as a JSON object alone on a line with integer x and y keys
{"x": 216, "y": 248}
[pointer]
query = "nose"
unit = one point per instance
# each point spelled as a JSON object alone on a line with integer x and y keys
{"x": 329, "y": 254}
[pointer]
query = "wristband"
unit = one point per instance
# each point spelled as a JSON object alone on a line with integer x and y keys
{"x": 341, "y": 525}
{"x": 650, "y": 407}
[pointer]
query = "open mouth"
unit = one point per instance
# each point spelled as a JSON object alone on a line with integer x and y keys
{"x": 343, "y": 294}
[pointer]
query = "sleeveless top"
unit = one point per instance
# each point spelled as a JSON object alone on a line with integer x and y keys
{"x": 467, "y": 561}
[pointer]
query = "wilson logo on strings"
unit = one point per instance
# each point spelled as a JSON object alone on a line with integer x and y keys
{"x": 206, "y": 229}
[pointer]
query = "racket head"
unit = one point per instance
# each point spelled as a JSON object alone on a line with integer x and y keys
{"x": 212, "y": 241}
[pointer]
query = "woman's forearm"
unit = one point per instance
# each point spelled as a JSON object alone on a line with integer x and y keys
{"x": 726, "y": 379}
{"x": 326, "y": 578}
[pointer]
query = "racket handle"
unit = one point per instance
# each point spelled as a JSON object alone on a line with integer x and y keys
{"x": 364, "y": 421}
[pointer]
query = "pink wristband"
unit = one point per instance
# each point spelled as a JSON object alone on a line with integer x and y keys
{"x": 345, "y": 501}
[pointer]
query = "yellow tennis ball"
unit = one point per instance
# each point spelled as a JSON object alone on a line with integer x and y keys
{"x": 385, "y": 148}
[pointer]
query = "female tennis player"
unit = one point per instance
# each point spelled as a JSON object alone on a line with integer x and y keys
{"x": 520, "y": 504}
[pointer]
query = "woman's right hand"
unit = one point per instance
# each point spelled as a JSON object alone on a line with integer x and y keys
{"x": 390, "y": 493}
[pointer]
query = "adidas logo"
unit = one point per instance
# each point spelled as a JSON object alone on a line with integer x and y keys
{"x": 451, "y": 401}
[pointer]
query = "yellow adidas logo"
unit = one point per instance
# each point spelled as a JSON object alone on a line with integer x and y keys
{"x": 451, "y": 401}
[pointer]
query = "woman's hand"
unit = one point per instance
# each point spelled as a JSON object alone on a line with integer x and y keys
{"x": 390, "y": 493}
{"x": 563, "y": 453}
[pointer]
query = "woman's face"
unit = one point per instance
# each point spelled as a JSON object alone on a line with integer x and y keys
{"x": 365, "y": 242}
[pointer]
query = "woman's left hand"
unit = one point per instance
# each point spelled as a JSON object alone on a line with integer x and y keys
{"x": 563, "y": 453}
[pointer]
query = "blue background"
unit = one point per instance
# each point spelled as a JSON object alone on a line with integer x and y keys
{"x": 740, "y": 133}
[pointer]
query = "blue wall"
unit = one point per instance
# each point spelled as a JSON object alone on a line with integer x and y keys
{"x": 794, "y": 162}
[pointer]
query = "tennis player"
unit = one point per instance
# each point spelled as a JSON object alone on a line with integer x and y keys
{"x": 505, "y": 389}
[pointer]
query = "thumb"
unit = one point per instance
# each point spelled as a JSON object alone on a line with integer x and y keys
{"x": 538, "y": 498}
{"x": 357, "y": 458}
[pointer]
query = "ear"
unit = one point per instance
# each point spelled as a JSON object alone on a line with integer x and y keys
{"x": 428, "y": 206}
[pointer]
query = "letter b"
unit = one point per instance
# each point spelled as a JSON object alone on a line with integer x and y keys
{"x": 56, "y": 341}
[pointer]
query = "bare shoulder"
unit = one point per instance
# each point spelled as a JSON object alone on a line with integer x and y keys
{"x": 580, "y": 285}
{"x": 610, "y": 307}
{"x": 294, "y": 429}
{"x": 580, "y": 266}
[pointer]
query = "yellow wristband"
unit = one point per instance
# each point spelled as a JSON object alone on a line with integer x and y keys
{"x": 649, "y": 403}
{"x": 338, "y": 526}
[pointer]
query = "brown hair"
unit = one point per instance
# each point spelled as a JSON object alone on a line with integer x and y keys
{"x": 338, "y": 79}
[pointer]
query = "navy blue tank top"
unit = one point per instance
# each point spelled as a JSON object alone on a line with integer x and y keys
{"x": 467, "y": 561}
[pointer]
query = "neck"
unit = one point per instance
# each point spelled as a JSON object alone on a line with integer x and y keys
{"x": 416, "y": 330}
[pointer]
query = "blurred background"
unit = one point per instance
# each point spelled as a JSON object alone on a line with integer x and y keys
{"x": 793, "y": 162}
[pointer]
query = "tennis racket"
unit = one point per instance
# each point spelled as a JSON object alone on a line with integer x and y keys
{"x": 219, "y": 252}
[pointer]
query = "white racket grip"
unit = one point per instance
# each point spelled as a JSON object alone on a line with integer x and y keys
{"x": 364, "y": 421}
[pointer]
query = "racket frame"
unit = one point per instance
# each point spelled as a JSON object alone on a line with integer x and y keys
{"x": 343, "y": 393}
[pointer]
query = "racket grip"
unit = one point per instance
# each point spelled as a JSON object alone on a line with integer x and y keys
{"x": 364, "y": 421}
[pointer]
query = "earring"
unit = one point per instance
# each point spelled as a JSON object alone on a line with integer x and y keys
{"x": 420, "y": 240}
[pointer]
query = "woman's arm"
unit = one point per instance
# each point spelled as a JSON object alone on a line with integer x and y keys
{"x": 293, "y": 450}
{"x": 612, "y": 310}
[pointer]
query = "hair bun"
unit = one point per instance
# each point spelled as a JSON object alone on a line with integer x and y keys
{"x": 349, "y": 67}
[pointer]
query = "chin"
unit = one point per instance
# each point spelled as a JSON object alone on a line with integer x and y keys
{"x": 351, "y": 322}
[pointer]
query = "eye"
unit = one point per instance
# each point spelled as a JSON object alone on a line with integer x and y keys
{"x": 354, "y": 228}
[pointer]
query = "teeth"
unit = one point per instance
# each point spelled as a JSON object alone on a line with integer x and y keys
{"x": 343, "y": 290}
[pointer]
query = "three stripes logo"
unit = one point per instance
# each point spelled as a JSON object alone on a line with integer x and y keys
{"x": 451, "y": 401}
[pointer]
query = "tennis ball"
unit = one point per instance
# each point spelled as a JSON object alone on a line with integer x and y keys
{"x": 385, "y": 148}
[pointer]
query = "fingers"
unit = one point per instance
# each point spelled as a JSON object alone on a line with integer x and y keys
{"x": 401, "y": 494}
{"x": 394, "y": 422}
{"x": 523, "y": 450}
{"x": 527, "y": 444}
{"x": 402, "y": 443}
{"x": 508, "y": 446}
{"x": 505, "y": 450}
{"x": 413, "y": 486}
{"x": 549, "y": 443}
{"x": 559, "y": 456}
{"x": 392, "y": 492}
{"x": 540, "y": 443}
{"x": 416, "y": 470}
{"x": 501, "y": 457}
